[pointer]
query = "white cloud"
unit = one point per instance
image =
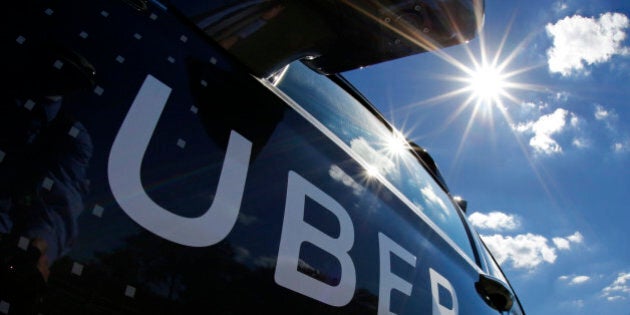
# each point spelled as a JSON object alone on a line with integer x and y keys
{"x": 339, "y": 175}
{"x": 620, "y": 147}
{"x": 523, "y": 127}
{"x": 495, "y": 220}
{"x": 562, "y": 96}
{"x": 576, "y": 237}
{"x": 619, "y": 289}
{"x": 579, "y": 40}
{"x": 525, "y": 251}
{"x": 608, "y": 117}
{"x": 564, "y": 243}
{"x": 575, "y": 120}
{"x": 570, "y": 306}
{"x": 580, "y": 143}
{"x": 579, "y": 280}
{"x": 561, "y": 243}
{"x": 378, "y": 161}
{"x": 601, "y": 113}
{"x": 529, "y": 105}
{"x": 560, "y": 6}
{"x": 430, "y": 196}
{"x": 528, "y": 251}
{"x": 545, "y": 127}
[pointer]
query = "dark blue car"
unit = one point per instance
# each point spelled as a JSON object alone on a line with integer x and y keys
{"x": 203, "y": 156}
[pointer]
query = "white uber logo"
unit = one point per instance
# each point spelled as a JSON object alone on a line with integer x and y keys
{"x": 388, "y": 280}
{"x": 296, "y": 231}
{"x": 216, "y": 223}
{"x": 124, "y": 168}
{"x": 438, "y": 280}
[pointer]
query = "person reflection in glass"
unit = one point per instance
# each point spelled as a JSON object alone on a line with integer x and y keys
{"x": 44, "y": 155}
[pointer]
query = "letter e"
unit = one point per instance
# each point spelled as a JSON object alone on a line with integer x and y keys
{"x": 388, "y": 280}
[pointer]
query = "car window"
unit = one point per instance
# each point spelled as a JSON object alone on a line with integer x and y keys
{"x": 384, "y": 151}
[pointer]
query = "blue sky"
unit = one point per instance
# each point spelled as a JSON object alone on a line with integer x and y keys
{"x": 543, "y": 161}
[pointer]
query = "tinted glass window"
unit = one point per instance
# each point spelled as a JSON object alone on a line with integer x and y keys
{"x": 383, "y": 151}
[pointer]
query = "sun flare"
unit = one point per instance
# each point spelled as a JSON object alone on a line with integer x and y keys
{"x": 396, "y": 144}
{"x": 487, "y": 83}
{"x": 485, "y": 86}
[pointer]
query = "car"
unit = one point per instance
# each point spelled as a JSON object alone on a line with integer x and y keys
{"x": 171, "y": 157}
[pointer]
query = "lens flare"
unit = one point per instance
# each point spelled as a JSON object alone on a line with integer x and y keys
{"x": 487, "y": 83}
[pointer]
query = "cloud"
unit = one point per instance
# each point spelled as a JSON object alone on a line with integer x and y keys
{"x": 579, "y": 280}
{"x": 495, "y": 220}
{"x": 544, "y": 128}
{"x": 528, "y": 251}
{"x": 377, "y": 161}
{"x": 562, "y": 96}
{"x": 606, "y": 116}
{"x": 524, "y": 251}
{"x": 565, "y": 243}
{"x": 578, "y": 40}
{"x": 430, "y": 196}
{"x": 574, "y": 120}
{"x": 579, "y": 303}
{"x": 530, "y": 108}
{"x": 576, "y": 237}
{"x": 580, "y": 143}
{"x": 619, "y": 289}
{"x": 609, "y": 118}
{"x": 575, "y": 280}
{"x": 560, "y": 6}
{"x": 620, "y": 147}
{"x": 339, "y": 175}
{"x": 561, "y": 243}
{"x": 602, "y": 114}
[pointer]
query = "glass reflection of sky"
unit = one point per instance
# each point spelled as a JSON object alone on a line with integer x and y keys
{"x": 384, "y": 152}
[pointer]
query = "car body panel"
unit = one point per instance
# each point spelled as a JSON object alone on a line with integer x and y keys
{"x": 213, "y": 189}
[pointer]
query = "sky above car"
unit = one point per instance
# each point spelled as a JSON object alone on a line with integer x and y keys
{"x": 529, "y": 122}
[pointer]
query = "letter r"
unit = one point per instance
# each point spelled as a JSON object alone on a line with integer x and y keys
{"x": 438, "y": 280}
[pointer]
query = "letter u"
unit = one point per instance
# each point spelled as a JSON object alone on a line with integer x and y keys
{"x": 124, "y": 168}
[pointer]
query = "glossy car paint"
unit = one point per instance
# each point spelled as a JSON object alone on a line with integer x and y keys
{"x": 212, "y": 190}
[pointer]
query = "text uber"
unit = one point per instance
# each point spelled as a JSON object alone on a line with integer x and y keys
{"x": 216, "y": 223}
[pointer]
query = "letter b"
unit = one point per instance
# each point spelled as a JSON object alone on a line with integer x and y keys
{"x": 295, "y": 231}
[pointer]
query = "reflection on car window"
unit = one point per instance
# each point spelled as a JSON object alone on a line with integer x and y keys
{"x": 383, "y": 151}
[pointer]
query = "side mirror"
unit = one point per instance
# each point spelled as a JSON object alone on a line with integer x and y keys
{"x": 494, "y": 293}
{"x": 462, "y": 203}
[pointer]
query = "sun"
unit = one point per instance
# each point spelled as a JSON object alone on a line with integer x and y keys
{"x": 487, "y": 83}
{"x": 487, "y": 80}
